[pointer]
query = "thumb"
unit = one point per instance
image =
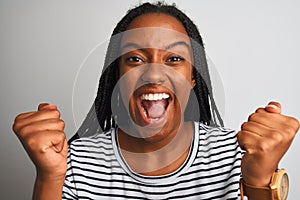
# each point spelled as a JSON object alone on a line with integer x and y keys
{"x": 61, "y": 145}
{"x": 55, "y": 140}
{"x": 273, "y": 107}
{"x": 47, "y": 106}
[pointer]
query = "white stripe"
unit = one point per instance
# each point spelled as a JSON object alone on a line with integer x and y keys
{"x": 201, "y": 178}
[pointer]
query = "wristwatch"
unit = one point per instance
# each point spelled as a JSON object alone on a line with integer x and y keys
{"x": 277, "y": 189}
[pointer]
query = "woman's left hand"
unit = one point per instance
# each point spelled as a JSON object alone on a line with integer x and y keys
{"x": 265, "y": 137}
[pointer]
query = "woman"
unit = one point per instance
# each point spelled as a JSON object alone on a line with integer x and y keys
{"x": 161, "y": 138}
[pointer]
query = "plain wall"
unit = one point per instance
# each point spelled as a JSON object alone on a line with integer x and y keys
{"x": 254, "y": 46}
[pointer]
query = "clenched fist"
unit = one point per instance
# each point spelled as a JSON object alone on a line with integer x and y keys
{"x": 42, "y": 134}
{"x": 265, "y": 137}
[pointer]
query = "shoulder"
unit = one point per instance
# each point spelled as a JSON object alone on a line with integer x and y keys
{"x": 210, "y": 132}
{"x": 218, "y": 139}
{"x": 99, "y": 139}
{"x": 218, "y": 149}
{"x": 93, "y": 152}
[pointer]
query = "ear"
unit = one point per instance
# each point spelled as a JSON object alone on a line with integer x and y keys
{"x": 118, "y": 72}
{"x": 193, "y": 82}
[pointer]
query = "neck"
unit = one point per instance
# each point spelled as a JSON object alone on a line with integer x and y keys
{"x": 157, "y": 156}
{"x": 174, "y": 136}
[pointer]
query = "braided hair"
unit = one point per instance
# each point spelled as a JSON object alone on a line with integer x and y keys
{"x": 100, "y": 114}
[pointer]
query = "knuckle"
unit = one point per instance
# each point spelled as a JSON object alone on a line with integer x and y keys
{"x": 265, "y": 146}
{"x": 62, "y": 135}
{"x": 51, "y": 113}
{"x": 24, "y": 131}
{"x": 273, "y": 141}
{"x": 290, "y": 130}
{"x": 17, "y": 123}
{"x": 252, "y": 116}
{"x": 15, "y": 127}
{"x": 294, "y": 123}
{"x": 239, "y": 135}
{"x": 277, "y": 137}
{"x": 258, "y": 110}
{"x": 244, "y": 125}
{"x": 56, "y": 113}
{"x": 17, "y": 118}
{"x": 31, "y": 142}
{"x": 61, "y": 124}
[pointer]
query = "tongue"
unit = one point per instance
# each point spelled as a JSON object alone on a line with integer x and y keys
{"x": 155, "y": 109}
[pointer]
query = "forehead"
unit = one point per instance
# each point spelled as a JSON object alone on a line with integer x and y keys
{"x": 155, "y": 30}
{"x": 157, "y": 20}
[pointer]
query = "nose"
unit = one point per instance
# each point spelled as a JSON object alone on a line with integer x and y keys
{"x": 153, "y": 74}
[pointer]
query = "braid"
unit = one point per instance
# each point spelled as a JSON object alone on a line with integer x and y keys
{"x": 100, "y": 115}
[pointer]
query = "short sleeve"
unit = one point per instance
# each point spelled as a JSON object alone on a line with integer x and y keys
{"x": 69, "y": 189}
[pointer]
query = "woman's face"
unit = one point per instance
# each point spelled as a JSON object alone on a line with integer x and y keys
{"x": 155, "y": 74}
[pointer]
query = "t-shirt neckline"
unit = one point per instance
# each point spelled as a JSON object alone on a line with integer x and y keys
{"x": 161, "y": 178}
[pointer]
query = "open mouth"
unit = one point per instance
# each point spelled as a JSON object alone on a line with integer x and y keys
{"x": 153, "y": 106}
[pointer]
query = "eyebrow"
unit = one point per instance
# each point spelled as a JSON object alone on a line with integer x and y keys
{"x": 170, "y": 46}
{"x": 131, "y": 44}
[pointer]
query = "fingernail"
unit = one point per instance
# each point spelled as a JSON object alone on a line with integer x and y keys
{"x": 272, "y": 106}
{"x": 53, "y": 106}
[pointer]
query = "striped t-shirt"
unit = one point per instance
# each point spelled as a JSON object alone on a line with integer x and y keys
{"x": 97, "y": 170}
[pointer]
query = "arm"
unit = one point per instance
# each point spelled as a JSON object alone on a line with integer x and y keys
{"x": 41, "y": 133}
{"x": 50, "y": 189}
{"x": 265, "y": 137}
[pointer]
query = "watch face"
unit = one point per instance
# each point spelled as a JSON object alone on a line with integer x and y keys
{"x": 284, "y": 186}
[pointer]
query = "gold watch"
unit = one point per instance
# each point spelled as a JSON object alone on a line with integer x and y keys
{"x": 277, "y": 189}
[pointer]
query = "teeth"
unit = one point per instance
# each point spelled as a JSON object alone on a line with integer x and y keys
{"x": 144, "y": 111}
{"x": 155, "y": 96}
{"x": 165, "y": 96}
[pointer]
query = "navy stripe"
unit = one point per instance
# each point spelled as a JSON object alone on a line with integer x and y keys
{"x": 214, "y": 174}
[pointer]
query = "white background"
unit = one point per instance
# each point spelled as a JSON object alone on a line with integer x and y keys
{"x": 253, "y": 44}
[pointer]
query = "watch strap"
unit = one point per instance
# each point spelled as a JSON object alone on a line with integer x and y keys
{"x": 257, "y": 193}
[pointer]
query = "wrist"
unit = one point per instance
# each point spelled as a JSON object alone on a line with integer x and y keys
{"x": 43, "y": 177}
{"x": 53, "y": 175}
{"x": 257, "y": 182}
{"x": 260, "y": 177}
{"x": 48, "y": 188}
{"x": 276, "y": 189}
{"x": 254, "y": 192}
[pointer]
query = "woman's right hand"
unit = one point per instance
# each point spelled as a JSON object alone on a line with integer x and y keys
{"x": 42, "y": 134}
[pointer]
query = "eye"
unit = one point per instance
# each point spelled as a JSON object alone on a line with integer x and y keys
{"x": 134, "y": 59}
{"x": 175, "y": 59}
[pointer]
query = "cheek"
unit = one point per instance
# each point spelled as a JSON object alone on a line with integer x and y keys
{"x": 122, "y": 68}
{"x": 128, "y": 82}
{"x": 183, "y": 98}
{"x": 182, "y": 83}
{"x": 123, "y": 81}
{"x": 126, "y": 89}
{"x": 186, "y": 78}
